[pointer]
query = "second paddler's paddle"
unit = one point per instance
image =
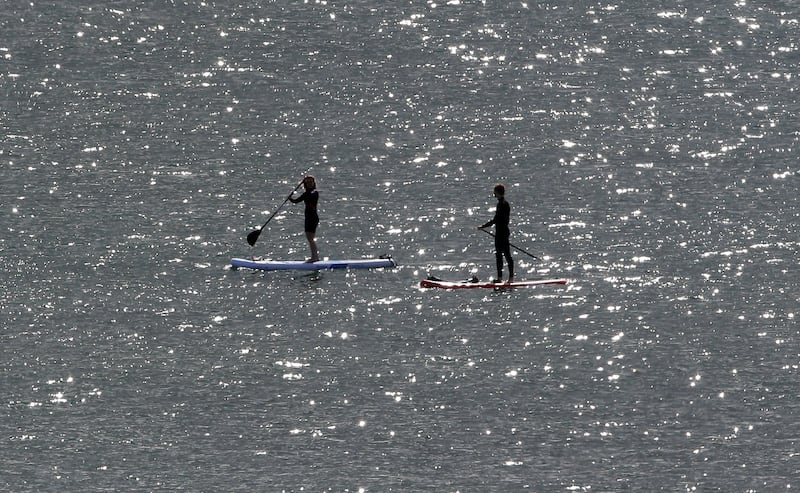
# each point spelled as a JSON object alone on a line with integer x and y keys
{"x": 510, "y": 244}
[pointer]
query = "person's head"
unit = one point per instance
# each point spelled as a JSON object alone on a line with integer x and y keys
{"x": 499, "y": 190}
{"x": 309, "y": 183}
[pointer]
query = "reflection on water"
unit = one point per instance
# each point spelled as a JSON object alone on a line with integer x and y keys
{"x": 648, "y": 158}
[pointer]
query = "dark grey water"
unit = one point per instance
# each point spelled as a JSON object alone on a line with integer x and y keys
{"x": 650, "y": 152}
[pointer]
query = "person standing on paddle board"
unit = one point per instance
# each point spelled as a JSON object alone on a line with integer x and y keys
{"x": 502, "y": 246}
{"x": 310, "y": 197}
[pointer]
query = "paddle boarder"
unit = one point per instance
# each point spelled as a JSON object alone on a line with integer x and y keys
{"x": 310, "y": 197}
{"x": 502, "y": 246}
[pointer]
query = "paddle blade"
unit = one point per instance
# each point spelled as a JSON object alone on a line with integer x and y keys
{"x": 252, "y": 238}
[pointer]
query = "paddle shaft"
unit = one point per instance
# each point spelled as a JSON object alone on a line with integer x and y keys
{"x": 252, "y": 238}
{"x": 510, "y": 244}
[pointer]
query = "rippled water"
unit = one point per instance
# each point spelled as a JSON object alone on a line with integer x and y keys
{"x": 650, "y": 154}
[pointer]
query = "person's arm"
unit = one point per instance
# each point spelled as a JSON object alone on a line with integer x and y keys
{"x": 298, "y": 199}
{"x": 494, "y": 219}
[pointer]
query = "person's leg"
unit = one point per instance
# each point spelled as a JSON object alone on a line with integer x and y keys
{"x": 312, "y": 245}
{"x": 510, "y": 262}
{"x": 498, "y": 255}
{"x": 311, "y": 223}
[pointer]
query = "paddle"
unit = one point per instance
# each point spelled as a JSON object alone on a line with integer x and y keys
{"x": 510, "y": 244}
{"x": 252, "y": 238}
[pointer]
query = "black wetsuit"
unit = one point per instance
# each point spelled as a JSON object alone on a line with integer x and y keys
{"x": 312, "y": 218}
{"x": 502, "y": 216}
